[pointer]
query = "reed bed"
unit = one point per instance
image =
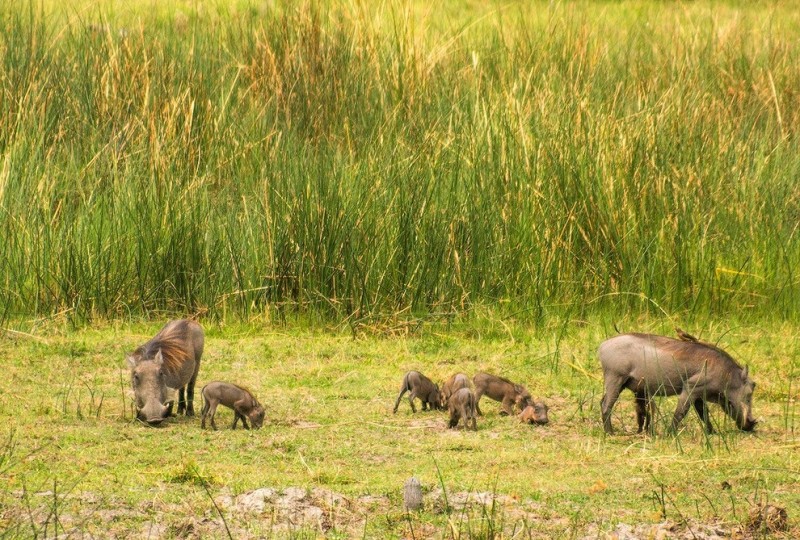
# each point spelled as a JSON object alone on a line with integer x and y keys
{"x": 354, "y": 160}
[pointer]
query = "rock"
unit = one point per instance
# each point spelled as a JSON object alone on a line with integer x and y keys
{"x": 412, "y": 494}
{"x": 255, "y": 501}
{"x": 313, "y": 514}
{"x": 291, "y": 496}
{"x": 329, "y": 498}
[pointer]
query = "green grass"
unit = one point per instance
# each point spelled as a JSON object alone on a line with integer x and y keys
{"x": 344, "y": 191}
{"x": 329, "y": 424}
{"x": 547, "y": 159}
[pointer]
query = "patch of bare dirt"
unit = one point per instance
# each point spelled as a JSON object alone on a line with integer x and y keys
{"x": 666, "y": 530}
{"x": 428, "y": 423}
{"x": 294, "y": 508}
{"x": 514, "y": 514}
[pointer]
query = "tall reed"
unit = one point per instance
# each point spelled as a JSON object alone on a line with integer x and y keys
{"x": 352, "y": 161}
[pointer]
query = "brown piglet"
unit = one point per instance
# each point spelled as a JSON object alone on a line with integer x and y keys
{"x": 241, "y": 400}
{"x": 503, "y": 390}
{"x": 534, "y": 414}
{"x": 420, "y": 387}
{"x": 452, "y": 385}
{"x": 462, "y": 405}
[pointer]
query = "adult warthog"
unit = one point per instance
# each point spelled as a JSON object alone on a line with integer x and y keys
{"x": 170, "y": 361}
{"x": 696, "y": 372}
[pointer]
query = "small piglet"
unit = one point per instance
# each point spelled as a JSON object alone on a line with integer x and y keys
{"x": 503, "y": 390}
{"x": 453, "y": 385}
{"x": 462, "y": 405}
{"x": 239, "y": 399}
{"x": 420, "y": 387}
{"x": 534, "y": 414}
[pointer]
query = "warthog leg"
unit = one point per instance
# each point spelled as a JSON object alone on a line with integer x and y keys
{"x": 206, "y": 406}
{"x": 684, "y": 402}
{"x": 702, "y": 411}
{"x": 190, "y": 390}
{"x": 181, "y": 401}
{"x": 613, "y": 388}
{"x": 210, "y": 409}
{"x": 478, "y": 395}
{"x": 454, "y": 418}
{"x": 190, "y": 398}
{"x": 644, "y": 412}
{"x": 506, "y": 408}
{"x": 238, "y": 415}
{"x": 411, "y": 397}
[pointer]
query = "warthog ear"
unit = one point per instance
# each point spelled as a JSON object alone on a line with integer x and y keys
{"x": 158, "y": 358}
{"x": 744, "y": 373}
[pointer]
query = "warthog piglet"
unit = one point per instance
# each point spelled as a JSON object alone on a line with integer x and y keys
{"x": 452, "y": 385}
{"x": 462, "y": 405}
{"x": 244, "y": 405}
{"x": 534, "y": 414}
{"x": 502, "y": 390}
{"x": 420, "y": 387}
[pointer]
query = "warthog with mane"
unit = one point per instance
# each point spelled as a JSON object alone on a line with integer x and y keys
{"x": 697, "y": 372}
{"x": 170, "y": 361}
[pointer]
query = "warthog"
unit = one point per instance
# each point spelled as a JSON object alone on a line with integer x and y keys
{"x": 170, "y": 360}
{"x": 420, "y": 387}
{"x": 241, "y": 400}
{"x": 500, "y": 389}
{"x": 453, "y": 384}
{"x": 462, "y": 405}
{"x": 697, "y": 372}
{"x": 534, "y": 414}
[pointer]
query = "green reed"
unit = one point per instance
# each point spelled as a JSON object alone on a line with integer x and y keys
{"x": 356, "y": 161}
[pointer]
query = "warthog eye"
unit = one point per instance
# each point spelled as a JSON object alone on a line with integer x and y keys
{"x": 136, "y": 379}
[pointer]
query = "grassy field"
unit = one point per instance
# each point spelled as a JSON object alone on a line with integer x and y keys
{"x": 342, "y": 191}
{"x": 72, "y": 451}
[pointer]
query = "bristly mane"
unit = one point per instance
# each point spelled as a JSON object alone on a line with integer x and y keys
{"x": 174, "y": 348}
{"x": 246, "y": 389}
{"x": 691, "y": 347}
{"x": 507, "y": 381}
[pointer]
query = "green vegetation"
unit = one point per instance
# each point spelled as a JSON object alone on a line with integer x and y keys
{"x": 371, "y": 159}
{"x": 342, "y": 191}
{"x": 329, "y": 425}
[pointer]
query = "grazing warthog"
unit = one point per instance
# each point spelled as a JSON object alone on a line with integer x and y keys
{"x": 453, "y": 384}
{"x": 462, "y": 405}
{"x": 420, "y": 387}
{"x": 241, "y": 400}
{"x": 697, "y": 372}
{"x": 500, "y": 389}
{"x": 534, "y": 414}
{"x": 168, "y": 361}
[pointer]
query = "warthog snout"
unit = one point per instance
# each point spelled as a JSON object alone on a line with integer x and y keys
{"x": 535, "y": 414}
{"x": 153, "y": 415}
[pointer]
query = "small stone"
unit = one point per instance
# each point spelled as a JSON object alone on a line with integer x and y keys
{"x": 412, "y": 494}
